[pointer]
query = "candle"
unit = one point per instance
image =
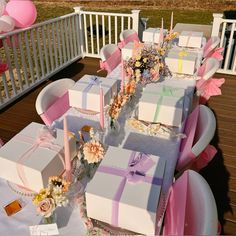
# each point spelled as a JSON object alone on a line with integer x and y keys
{"x": 101, "y": 107}
{"x": 161, "y": 32}
{"x": 122, "y": 77}
{"x": 67, "y": 151}
{"x": 171, "y": 21}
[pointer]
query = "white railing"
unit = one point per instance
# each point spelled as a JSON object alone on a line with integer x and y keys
{"x": 36, "y": 53}
{"x": 226, "y": 30}
{"x": 101, "y": 28}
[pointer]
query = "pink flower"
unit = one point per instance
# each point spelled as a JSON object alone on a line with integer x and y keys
{"x": 46, "y": 207}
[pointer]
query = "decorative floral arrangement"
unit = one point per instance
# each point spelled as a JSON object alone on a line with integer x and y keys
{"x": 51, "y": 197}
{"x": 90, "y": 154}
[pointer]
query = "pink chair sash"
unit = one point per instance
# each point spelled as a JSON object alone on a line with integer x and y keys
{"x": 204, "y": 158}
{"x": 201, "y": 70}
{"x": 186, "y": 155}
{"x": 56, "y": 110}
{"x": 175, "y": 212}
{"x": 216, "y": 53}
{"x": 131, "y": 38}
{"x": 112, "y": 62}
{"x": 208, "y": 88}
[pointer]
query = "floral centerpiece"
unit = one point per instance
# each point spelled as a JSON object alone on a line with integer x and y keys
{"x": 90, "y": 154}
{"x": 51, "y": 197}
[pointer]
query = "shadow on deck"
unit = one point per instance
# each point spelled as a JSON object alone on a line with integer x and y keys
{"x": 220, "y": 173}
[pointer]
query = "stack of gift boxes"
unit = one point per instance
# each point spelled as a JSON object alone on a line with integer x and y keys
{"x": 182, "y": 60}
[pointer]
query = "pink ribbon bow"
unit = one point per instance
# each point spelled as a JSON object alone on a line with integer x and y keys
{"x": 216, "y": 53}
{"x": 44, "y": 140}
{"x": 204, "y": 158}
{"x": 208, "y": 88}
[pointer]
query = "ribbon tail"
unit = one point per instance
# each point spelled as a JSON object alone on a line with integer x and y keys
{"x": 204, "y": 158}
{"x": 102, "y": 66}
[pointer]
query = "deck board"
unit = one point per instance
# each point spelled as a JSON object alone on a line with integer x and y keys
{"x": 220, "y": 173}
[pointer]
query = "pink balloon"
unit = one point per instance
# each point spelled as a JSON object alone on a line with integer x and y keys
{"x": 22, "y": 11}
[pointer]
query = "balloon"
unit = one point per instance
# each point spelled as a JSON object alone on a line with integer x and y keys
{"x": 22, "y": 11}
{"x": 6, "y": 24}
{"x": 2, "y": 6}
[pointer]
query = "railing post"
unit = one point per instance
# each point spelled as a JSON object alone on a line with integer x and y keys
{"x": 216, "y": 24}
{"x": 135, "y": 17}
{"x": 78, "y": 10}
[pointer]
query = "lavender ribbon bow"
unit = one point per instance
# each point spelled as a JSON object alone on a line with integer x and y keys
{"x": 139, "y": 164}
{"x": 93, "y": 81}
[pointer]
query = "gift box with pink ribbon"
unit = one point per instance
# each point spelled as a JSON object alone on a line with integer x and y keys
{"x": 33, "y": 155}
{"x": 85, "y": 93}
{"x": 190, "y": 39}
{"x": 125, "y": 190}
{"x": 181, "y": 61}
{"x": 162, "y": 104}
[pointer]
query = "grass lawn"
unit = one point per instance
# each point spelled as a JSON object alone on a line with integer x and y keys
{"x": 52, "y": 10}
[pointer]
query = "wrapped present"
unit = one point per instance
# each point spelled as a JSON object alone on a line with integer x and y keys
{"x": 125, "y": 190}
{"x": 85, "y": 93}
{"x": 163, "y": 104}
{"x": 190, "y": 39}
{"x": 181, "y": 61}
{"x": 152, "y": 35}
{"x": 127, "y": 51}
{"x": 33, "y": 155}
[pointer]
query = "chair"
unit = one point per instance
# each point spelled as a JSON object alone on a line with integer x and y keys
{"x": 195, "y": 151}
{"x": 208, "y": 68}
{"x": 191, "y": 207}
{"x": 127, "y": 36}
{"x": 210, "y": 46}
{"x": 208, "y": 86}
{"x": 110, "y": 57}
{"x": 53, "y": 100}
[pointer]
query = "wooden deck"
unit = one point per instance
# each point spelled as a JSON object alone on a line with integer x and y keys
{"x": 220, "y": 173}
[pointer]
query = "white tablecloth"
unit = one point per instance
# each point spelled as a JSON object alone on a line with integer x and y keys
{"x": 70, "y": 222}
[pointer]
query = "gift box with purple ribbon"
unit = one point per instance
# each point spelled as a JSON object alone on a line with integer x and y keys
{"x": 85, "y": 93}
{"x": 161, "y": 103}
{"x": 125, "y": 190}
{"x": 33, "y": 155}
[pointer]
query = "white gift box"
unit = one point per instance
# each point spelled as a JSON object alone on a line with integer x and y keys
{"x": 166, "y": 109}
{"x": 86, "y": 92}
{"x": 190, "y": 39}
{"x": 137, "y": 200}
{"x": 37, "y": 162}
{"x": 127, "y": 51}
{"x": 181, "y": 61}
{"x": 152, "y": 35}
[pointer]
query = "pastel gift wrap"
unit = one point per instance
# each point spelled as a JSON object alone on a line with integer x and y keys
{"x": 127, "y": 51}
{"x": 31, "y": 159}
{"x": 164, "y": 105}
{"x": 152, "y": 35}
{"x": 125, "y": 190}
{"x": 181, "y": 61}
{"x": 85, "y": 93}
{"x": 190, "y": 39}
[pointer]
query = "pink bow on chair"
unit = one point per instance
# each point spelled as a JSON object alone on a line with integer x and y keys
{"x": 121, "y": 44}
{"x": 208, "y": 88}
{"x": 217, "y": 54}
{"x": 204, "y": 158}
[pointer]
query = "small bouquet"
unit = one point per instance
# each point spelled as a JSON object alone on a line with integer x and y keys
{"x": 51, "y": 197}
{"x": 91, "y": 153}
{"x": 146, "y": 65}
